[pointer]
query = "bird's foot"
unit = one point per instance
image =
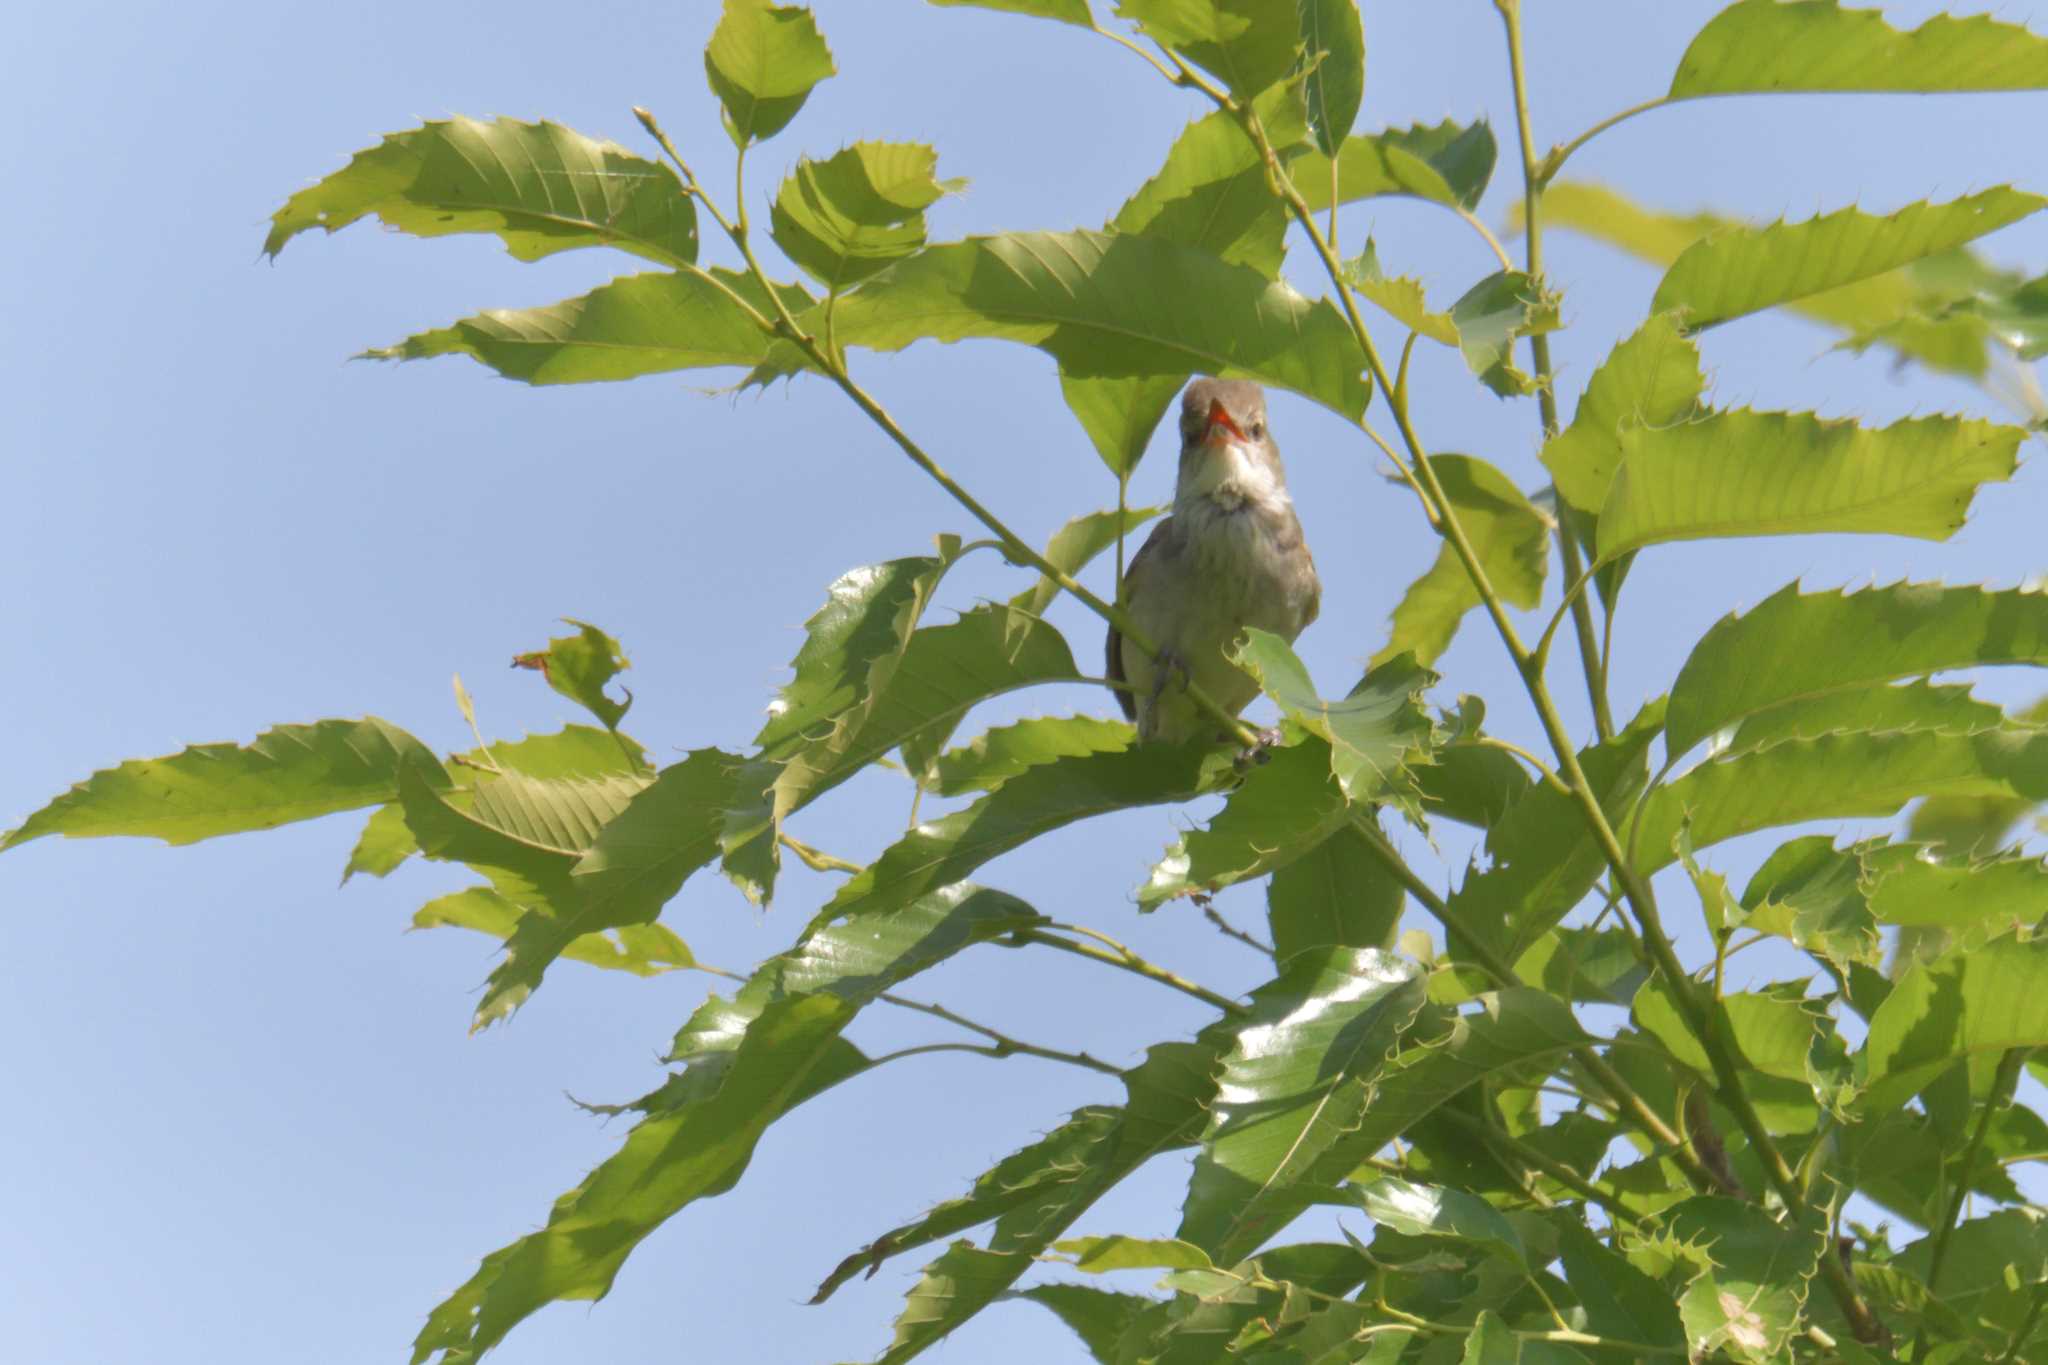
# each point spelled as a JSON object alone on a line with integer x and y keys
{"x": 1260, "y": 750}
{"x": 1167, "y": 664}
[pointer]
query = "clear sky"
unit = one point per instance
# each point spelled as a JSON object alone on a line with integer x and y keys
{"x": 244, "y": 1119}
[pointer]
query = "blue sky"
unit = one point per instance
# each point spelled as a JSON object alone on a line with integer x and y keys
{"x": 246, "y": 1120}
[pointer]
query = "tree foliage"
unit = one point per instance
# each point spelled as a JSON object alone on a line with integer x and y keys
{"x": 1664, "y": 1178}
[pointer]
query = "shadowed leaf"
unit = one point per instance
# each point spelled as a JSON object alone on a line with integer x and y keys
{"x": 1338, "y": 894}
{"x": 1374, "y": 733}
{"x": 1491, "y": 316}
{"x": 1283, "y": 808}
{"x": 1004, "y": 752}
{"x": 1446, "y": 163}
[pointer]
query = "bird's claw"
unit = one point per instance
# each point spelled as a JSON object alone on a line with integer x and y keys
{"x": 1260, "y": 750}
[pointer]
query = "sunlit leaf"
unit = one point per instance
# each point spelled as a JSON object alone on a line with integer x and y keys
{"x": 578, "y": 666}
{"x": 291, "y": 773}
{"x": 1284, "y": 807}
{"x": 1401, "y": 297}
{"x": 1030, "y": 804}
{"x": 1747, "y": 1302}
{"x": 384, "y": 843}
{"x": 1333, "y": 46}
{"x": 1211, "y": 192}
{"x": 1744, "y": 473}
{"x": 1432, "y": 1211}
{"x": 1247, "y": 44}
{"x": 1509, "y": 536}
{"x": 635, "y": 325}
{"x": 1075, "y": 545}
{"x": 1099, "y": 1255}
{"x": 1374, "y": 733}
{"x": 781, "y": 1045}
{"x": 844, "y": 218}
{"x": 1491, "y": 316}
{"x": 1113, "y": 305}
{"x": 1297, "y": 1078}
{"x": 1836, "y": 777}
{"x": 1446, "y": 163}
{"x": 1969, "y": 1005}
{"x": 1765, "y": 47}
{"x": 1066, "y": 11}
{"x": 539, "y": 187}
{"x": 1905, "y": 886}
{"x": 1794, "y": 646}
{"x": 640, "y": 949}
{"x": 1882, "y": 708}
{"x": 1652, "y": 379}
{"x": 1004, "y": 752}
{"x": 1813, "y": 894}
{"x": 762, "y": 63}
{"x": 1743, "y": 270}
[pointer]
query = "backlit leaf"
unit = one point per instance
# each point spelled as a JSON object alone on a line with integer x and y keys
{"x": 640, "y": 949}
{"x": 1333, "y": 41}
{"x": 1745, "y": 473}
{"x": 1509, "y": 536}
{"x": 1765, "y": 47}
{"x": 1794, "y": 646}
{"x": 1113, "y": 305}
{"x": 1446, "y": 163}
{"x": 635, "y": 325}
{"x": 1374, "y": 733}
{"x": 1074, "y": 546}
{"x": 1247, "y": 44}
{"x": 762, "y": 63}
{"x": 1066, "y": 11}
{"x": 1211, "y": 192}
{"x": 844, "y": 218}
{"x": 1491, "y": 316}
{"x": 1652, "y": 379}
{"x": 1401, "y": 296}
{"x": 539, "y": 187}
{"x": 291, "y": 773}
{"x": 1743, "y": 270}
{"x": 578, "y": 666}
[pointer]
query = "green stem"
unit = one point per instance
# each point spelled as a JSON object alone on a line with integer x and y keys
{"x": 1118, "y": 956}
{"x": 1554, "y": 163}
{"x": 2027, "y": 1325}
{"x": 1003, "y": 1044}
{"x": 2001, "y": 1088}
{"x": 1546, "y": 395}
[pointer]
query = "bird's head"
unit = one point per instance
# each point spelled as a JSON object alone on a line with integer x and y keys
{"x": 1226, "y": 452}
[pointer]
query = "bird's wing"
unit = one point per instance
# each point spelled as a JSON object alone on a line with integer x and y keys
{"x": 1156, "y": 545}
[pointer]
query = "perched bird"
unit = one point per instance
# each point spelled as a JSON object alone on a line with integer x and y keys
{"x": 1230, "y": 556}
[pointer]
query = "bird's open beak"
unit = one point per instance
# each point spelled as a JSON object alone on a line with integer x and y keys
{"x": 1219, "y": 417}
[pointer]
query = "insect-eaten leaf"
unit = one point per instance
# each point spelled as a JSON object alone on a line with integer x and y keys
{"x": 578, "y": 666}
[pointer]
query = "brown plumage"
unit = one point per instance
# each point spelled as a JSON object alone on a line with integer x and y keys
{"x": 1230, "y": 556}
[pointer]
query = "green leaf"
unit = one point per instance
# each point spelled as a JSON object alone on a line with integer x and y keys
{"x": 1297, "y": 1079}
{"x": 1211, "y": 192}
{"x": 1045, "y": 1168}
{"x": 1100, "y": 1317}
{"x": 762, "y": 63}
{"x": 1099, "y": 1255}
{"x": 578, "y": 666}
{"x": 1969, "y": 1005}
{"x": 1432, "y": 1211}
{"x": 1620, "y": 1301}
{"x": 1374, "y": 733}
{"x": 1168, "y": 1096}
{"x": 1835, "y": 777}
{"x": 640, "y": 949}
{"x": 1763, "y": 47}
{"x": 1543, "y": 858}
{"x": 1400, "y": 296}
{"x": 1905, "y": 886}
{"x": 1744, "y": 270}
{"x": 1812, "y": 894}
{"x": 1338, "y": 894}
{"x": 1596, "y": 966}
{"x": 1909, "y": 706}
{"x": 1511, "y": 539}
{"x": 1745, "y": 473}
{"x": 1795, "y": 647}
{"x": 1333, "y": 46}
{"x": 1283, "y": 808}
{"x": 848, "y": 216}
{"x": 780, "y": 1046}
{"x": 1119, "y": 413}
{"x": 540, "y": 187}
{"x": 1491, "y": 316}
{"x": 1113, "y": 305}
{"x": 1992, "y": 1275}
{"x": 635, "y": 325}
{"x": 1030, "y": 804}
{"x": 1446, "y": 163}
{"x": 1652, "y": 379}
{"x": 1247, "y": 44}
{"x": 1771, "y": 1031}
{"x": 1007, "y": 750}
{"x": 1065, "y": 11}
{"x": 1074, "y": 546}
{"x": 1748, "y": 1300}
{"x": 290, "y": 773}
{"x": 384, "y": 843}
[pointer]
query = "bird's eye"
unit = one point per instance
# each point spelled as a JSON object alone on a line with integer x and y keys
{"x": 1258, "y": 430}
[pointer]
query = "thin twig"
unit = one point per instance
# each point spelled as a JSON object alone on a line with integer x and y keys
{"x": 1118, "y": 956}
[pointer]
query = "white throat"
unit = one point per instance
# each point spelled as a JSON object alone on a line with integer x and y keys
{"x": 1232, "y": 475}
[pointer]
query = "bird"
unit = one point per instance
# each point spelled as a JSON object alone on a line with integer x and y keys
{"x": 1229, "y": 556}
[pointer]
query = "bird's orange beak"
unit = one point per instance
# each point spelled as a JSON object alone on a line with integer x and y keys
{"x": 1219, "y": 416}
